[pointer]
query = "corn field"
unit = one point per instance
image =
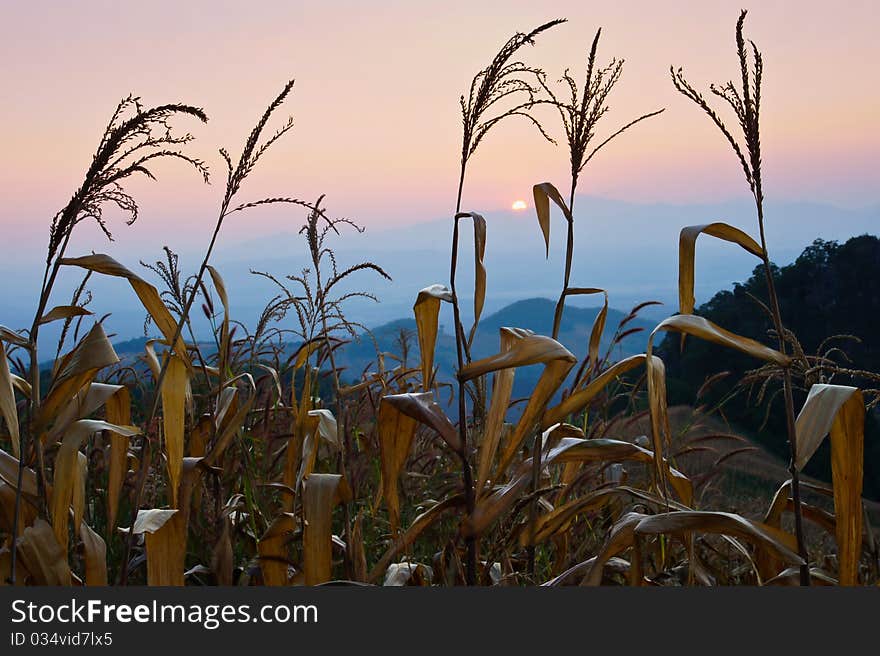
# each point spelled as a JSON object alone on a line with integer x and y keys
{"x": 259, "y": 461}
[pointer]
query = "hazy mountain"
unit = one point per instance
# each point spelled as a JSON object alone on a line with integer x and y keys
{"x": 629, "y": 249}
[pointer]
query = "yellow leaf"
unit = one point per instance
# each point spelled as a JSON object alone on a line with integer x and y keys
{"x": 64, "y": 312}
{"x": 544, "y": 193}
{"x": 423, "y": 408}
{"x": 687, "y": 247}
{"x": 42, "y": 556}
{"x": 76, "y": 370}
{"x": 396, "y": 431}
{"x": 7, "y": 401}
{"x": 321, "y": 493}
{"x": 479, "y": 267}
{"x": 166, "y": 545}
{"x": 174, "y": 391}
{"x": 118, "y": 408}
{"x": 66, "y": 470}
{"x": 427, "y": 313}
{"x": 147, "y": 294}
{"x": 272, "y": 549}
{"x": 580, "y": 399}
{"x": 95, "y": 550}
{"x": 697, "y": 326}
{"x": 840, "y": 411}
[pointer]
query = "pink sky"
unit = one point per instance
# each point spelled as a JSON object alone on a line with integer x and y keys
{"x": 375, "y": 103}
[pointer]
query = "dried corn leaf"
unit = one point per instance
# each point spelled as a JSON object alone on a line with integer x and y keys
{"x": 147, "y": 294}
{"x": 686, "y": 250}
{"x": 76, "y": 370}
{"x": 272, "y": 548}
{"x": 427, "y": 314}
{"x": 327, "y": 427}
{"x": 691, "y": 324}
{"x": 402, "y": 574}
{"x": 220, "y": 286}
{"x": 321, "y": 493}
{"x": 396, "y": 431}
{"x": 816, "y": 418}
{"x": 479, "y": 268}
{"x": 95, "y": 551}
{"x": 357, "y": 554}
{"x": 776, "y": 542}
{"x": 174, "y": 393}
{"x": 13, "y": 337}
{"x": 9, "y": 474}
{"x": 42, "y": 556}
{"x": 847, "y": 462}
{"x": 64, "y": 312}
{"x": 165, "y": 538}
{"x": 526, "y": 348}
{"x": 67, "y": 470}
{"x": 423, "y": 408}
{"x": 118, "y": 408}
{"x": 501, "y": 391}
{"x": 7, "y": 401}
{"x": 580, "y": 399}
{"x": 551, "y": 378}
{"x": 543, "y": 194}
{"x": 419, "y": 525}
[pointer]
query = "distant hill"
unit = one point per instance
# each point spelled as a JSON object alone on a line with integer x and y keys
{"x": 535, "y": 314}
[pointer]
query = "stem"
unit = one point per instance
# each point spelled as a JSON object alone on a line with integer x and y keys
{"x": 467, "y": 473}
{"x": 569, "y": 256}
{"x": 789, "y": 400}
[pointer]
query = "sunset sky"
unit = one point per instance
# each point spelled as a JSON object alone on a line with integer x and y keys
{"x": 376, "y": 104}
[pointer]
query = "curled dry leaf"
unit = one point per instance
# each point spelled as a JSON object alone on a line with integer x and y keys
{"x": 67, "y": 472}
{"x": 427, "y": 314}
{"x": 7, "y": 401}
{"x": 95, "y": 551}
{"x": 118, "y": 407}
{"x": 686, "y": 250}
{"x": 838, "y": 410}
{"x": 272, "y": 548}
{"x": 75, "y": 371}
{"x": 148, "y": 295}
{"x": 64, "y": 312}
{"x": 423, "y": 408}
{"x": 165, "y": 538}
{"x": 42, "y": 556}
{"x": 543, "y": 194}
{"x": 580, "y": 399}
{"x": 479, "y": 267}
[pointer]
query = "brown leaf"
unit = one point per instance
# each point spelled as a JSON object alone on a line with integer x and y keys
{"x": 166, "y": 545}
{"x": 67, "y": 472}
{"x": 272, "y": 549}
{"x": 544, "y": 193}
{"x": 427, "y": 313}
{"x": 95, "y": 550}
{"x": 7, "y": 401}
{"x": 147, "y": 294}
{"x": 64, "y": 312}
{"x": 321, "y": 493}
{"x": 174, "y": 393}
{"x": 686, "y": 250}
{"x": 42, "y": 556}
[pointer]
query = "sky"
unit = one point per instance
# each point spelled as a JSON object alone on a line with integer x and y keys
{"x": 375, "y": 105}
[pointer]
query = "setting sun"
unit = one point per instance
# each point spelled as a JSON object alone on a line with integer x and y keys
{"x": 519, "y": 205}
